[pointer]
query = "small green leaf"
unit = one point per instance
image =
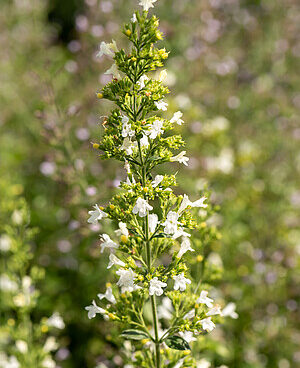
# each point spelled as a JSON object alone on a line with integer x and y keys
{"x": 177, "y": 343}
{"x": 134, "y": 335}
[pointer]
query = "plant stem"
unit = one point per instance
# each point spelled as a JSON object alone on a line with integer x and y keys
{"x": 149, "y": 263}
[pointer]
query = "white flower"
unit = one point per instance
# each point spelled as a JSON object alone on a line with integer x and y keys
{"x": 188, "y": 336}
{"x": 229, "y": 311}
{"x": 185, "y": 246}
{"x": 126, "y": 281}
{"x": 190, "y": 315}
{"x": 56, "y": 321}
{"x": 114, "y": 71}
{"x": 12, "y": 362}
{"x": 162, "y": 75}
{"x": 157, "y": 180}
{"x": 186, "y": 202}
{"x": 171, "y": 223}
{"x": 107, "y": 243}
{"x": 6, "y": 284}
{"x": 107, "y": 49}
{"x": 141, "y": 207}
{"x": 22, "y": 346}
{"x": 207, "y": 324}
{"x": 166, "y": 309}
{"x": 147, "y": 4}
{"x": 203, "y": 299}
{"x": 161, "y": 105}
{"x": 108, "y": 295}
{"x": 144, "y": 141}
{"x": 126, "y": 128}
{"x": 203, "y": 363}
{"x": 141, "y": 82}
{"x": 48, "y": 363}
{"x": 128, "y": 146}
{"x": 152, "y": 222}
{"x": 113, "y": 260}
{"x": 214, "y": 311}
{"x": 155, "y": 129}
{"x": 180, "y": 158}
{"x": 156, "y": 287}
{"x": 122, "y": 229}
{"x": 96, "y": 215}
{"x": 180, "y": 232}
{"x": 5, "y": 243}
{"x": 93, "y": 309}
{"x": 50, "y": 344}
{"x": 177, "y": 118}
{"x": 180, "y": 282}
{"x": 133, "y": 19}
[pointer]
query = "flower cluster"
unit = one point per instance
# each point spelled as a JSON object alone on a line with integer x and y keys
{"x": 154, "y": 238}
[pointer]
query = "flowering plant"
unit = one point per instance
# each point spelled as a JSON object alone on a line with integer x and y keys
{"x": 23, "y": 342}
{"x": 155, "y": 224}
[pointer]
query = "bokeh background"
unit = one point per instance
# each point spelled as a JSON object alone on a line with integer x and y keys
{"x": 234, "y": 72}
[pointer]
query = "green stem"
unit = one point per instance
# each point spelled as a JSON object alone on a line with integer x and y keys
{"x": 149, "y": 263}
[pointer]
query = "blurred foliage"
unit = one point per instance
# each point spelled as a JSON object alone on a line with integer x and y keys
{"x": 233, "y": 70}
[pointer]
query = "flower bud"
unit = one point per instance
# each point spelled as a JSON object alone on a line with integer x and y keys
{"x": 96, "y": 145}
{"x": 128, "y": 32}
{"x": 99, "y": 95}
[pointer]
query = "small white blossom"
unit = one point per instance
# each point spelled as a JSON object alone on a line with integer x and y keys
{"x": 186, "y": 202}
{"x": 185, "y": 246}
{"x": 180, "y": 232}
{"x": 152, "y": 222}
{"x": 107, "y": 243}
{"x": 157, "y": 180}
{"x": 108, "y": 295}
{"x": 144, "y": 141}
{"x": 190, "y": 315}
{"x": 180, "y": 282}
{"x": 6, "y": 284}
{"x": 141, "y": 207}
{"x": 5, "y": 243}
{"x": 107, "y": 49}
{"x": 207, "y": 324}
{"x": 177, "y": 118}
{"x": 161, "y": 105}
{"x": 203, "y": 363}
{"x": 56, "y": 321}
{"x": 126, "y": 128}
{"x": 50, "y": 344}
{"x": 229, "y": 311}
{"x": 96, "y": 215}
{"x": 203, "y": 299}
{"x": 165, "y": 310}
{"x": 155, "y": 129}
{"x": 171, "y": 223}
{"x": 48, "y": 363}
{"x": 214, "y": 311}
{"x": 133, "y": 19}
{"x": 156, "y": 287}
{"x": 147, "y": 4}
{"x": 22, "y": 346}
{"x": 122, "y": 229}
{"x": 93, "y": 309}
{"x": 128, "y": 146}
{"x": 114, "y": 71}
{"x": 181, "y": 158}
{"x": 113, "y": 260}
{"x": 188, "y": 336}
{"x": 162, "y": 75}
{"x": 12, "y": 362}
{"x": 126, "y": 281}
{"x": 142, "y": 81}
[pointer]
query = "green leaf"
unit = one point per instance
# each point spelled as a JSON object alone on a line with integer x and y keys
{"x": 177, "y": 343}
{"x": 134, "y": 335}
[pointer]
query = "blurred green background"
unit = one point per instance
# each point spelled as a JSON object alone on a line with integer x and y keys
{"x": 234, "y": 72}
